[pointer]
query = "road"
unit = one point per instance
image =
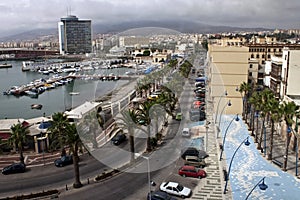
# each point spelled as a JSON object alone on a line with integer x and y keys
{"x": 130, "y": 184}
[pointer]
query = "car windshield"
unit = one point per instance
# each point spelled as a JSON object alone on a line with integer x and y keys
{"x": 179, "y": 187}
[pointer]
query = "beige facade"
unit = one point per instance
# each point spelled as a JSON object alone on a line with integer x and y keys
{"x": 131, "y": 41}
{"x": 228, "y": 68}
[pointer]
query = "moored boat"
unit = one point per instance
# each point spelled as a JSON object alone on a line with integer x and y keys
{"x": 36, "y": 106}
{"x": 5, "y": 65}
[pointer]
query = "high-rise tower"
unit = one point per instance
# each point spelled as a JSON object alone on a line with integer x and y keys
{"x": 75, "y": 36}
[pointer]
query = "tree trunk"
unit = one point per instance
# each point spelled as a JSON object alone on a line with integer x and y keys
{"x": 256, "y": 133}
{"x": 288, "y": 139}
{"x": 77, "y": 183}
{"x": 270, "y": 154}
{"x": 131, "y": 143}
{"x": 149, "y": 148}
{"x": 261, "y": 135}
{"x": 21, "y": 154}
{"x": 252, "y": 122}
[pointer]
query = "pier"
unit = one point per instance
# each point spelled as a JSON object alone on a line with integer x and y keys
{"x": 33, "y": 89}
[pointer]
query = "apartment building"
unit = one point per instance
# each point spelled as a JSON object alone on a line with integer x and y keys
{"x": 75, "y": 36}
{"x": 227, "y": 68}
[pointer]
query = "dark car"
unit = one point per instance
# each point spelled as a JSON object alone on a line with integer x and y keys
{"x": 191, "y": 151}
{"x": 118, "y": 138}
{"x": 63, "y": 161}
{"x": 14, "y": 168}
{"x": 191, "y": 171}
{"x": 197, "y": 115}
{"x": 159, "y": 195}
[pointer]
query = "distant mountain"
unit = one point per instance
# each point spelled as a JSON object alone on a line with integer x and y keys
{"x": 30, "y": 35}
{"x": 180, "y": 26}
{"x": 169, "y": 26}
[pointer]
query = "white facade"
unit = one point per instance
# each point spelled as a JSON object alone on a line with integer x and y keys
{"x": 290, "y": 72}
{"x": 267, "y": 78}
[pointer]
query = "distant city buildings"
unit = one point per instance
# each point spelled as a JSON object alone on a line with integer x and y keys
{"x": 75, "y": 36}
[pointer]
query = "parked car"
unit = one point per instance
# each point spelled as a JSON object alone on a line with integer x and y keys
{"x": 192, "y": 151}
{"x": 194, "y": 161}
{"x": 175, "y": 189}
{"x": 119, "y": 138}
{"x": 197, "y": 115}
{"x": 178, "y": 116}
{"x": 186, "y": 132}
{"x": 191, "y": 171}
{"x": 159, "y": 195}
{"x": 63, "y": 161}
{"x": 14, "y": 168}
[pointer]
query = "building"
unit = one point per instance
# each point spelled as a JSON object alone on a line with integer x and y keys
{"x": 131, "y": 41}
{"x": 75, "y": 36}
{"x": 228, "y": 68}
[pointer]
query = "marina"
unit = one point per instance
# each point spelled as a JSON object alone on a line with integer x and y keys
{"x": 55, "y": 95}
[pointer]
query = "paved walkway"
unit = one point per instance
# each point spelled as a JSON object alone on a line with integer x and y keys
{"x": 249, "y": 167}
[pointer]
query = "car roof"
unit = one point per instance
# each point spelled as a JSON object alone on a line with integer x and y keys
{"x": 191, "y": 157}
{"x": 173, "y": 184}
{"x": 188, "y": 167}
{"x": 186, "y": 129}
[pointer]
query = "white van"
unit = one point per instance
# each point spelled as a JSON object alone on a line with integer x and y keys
{"x": 186, "y": 132}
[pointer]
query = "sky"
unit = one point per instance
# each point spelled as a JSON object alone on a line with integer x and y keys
{"x": 22, "y": 15}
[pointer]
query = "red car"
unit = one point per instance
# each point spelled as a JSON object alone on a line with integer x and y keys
{"x": 191, "y": 171}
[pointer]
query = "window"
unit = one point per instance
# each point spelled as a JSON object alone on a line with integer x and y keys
{"x": 269, "y": 56}
{"x": 257, "y": 55}
{"x": 250, "y": 73}
{"x": 251, "y": 66}
{"x": 252, "y": 55}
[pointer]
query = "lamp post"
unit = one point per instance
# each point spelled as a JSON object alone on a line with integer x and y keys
{"x": 148, "y": 167}
{"x": 225, "y": 94}
{"x": 220, "y": 118}
{"x": 206, "y": 135}
{"x": 236, "y": 118}
{"x": 261, "y": 186}
{"x": 247, "y": 143}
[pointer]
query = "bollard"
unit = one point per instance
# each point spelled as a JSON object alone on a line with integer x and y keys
{"x": 66, "y": 187}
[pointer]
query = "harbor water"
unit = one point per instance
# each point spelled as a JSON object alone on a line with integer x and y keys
{"x": 54, "y": 100}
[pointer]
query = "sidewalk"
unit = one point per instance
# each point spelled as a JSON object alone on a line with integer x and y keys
{"x": 32, "y": 159}
{"x": 213, "y": 183}
{"x": 249, "y": 167}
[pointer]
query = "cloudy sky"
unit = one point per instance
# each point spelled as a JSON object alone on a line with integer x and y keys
{"x": 18, "y": 15}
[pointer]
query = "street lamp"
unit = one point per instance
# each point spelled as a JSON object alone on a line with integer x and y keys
{"x": 261, "y": 186}
{"x": 148, "y": 167}
{"x": 225, "y": 94}
{"x": 236, "y": 118}
{"x": 247, "y": 143}
{"x": 220, "y": 118}
{"x": 206, "y": 135}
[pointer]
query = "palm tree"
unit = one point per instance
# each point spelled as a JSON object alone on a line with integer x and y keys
{"x": 255, "y": 99}
{"x": 290, "y": 110}
{"x": 72, "y": 140}
{"x": 58, "y": 125}
{"x": 18, "y": 138}
{"x": 128, "y": 122}
{"x": 168, "y": 100}
{"x": 157, "y": 112}
{"x": 266, "y": 95}
{"x": 143, "y": 116}
{"x": 244, "y": 90}
{"x": 275, "y": 115}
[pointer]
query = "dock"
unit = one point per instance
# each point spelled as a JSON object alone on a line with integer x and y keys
{"x": 33, "y": 89}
